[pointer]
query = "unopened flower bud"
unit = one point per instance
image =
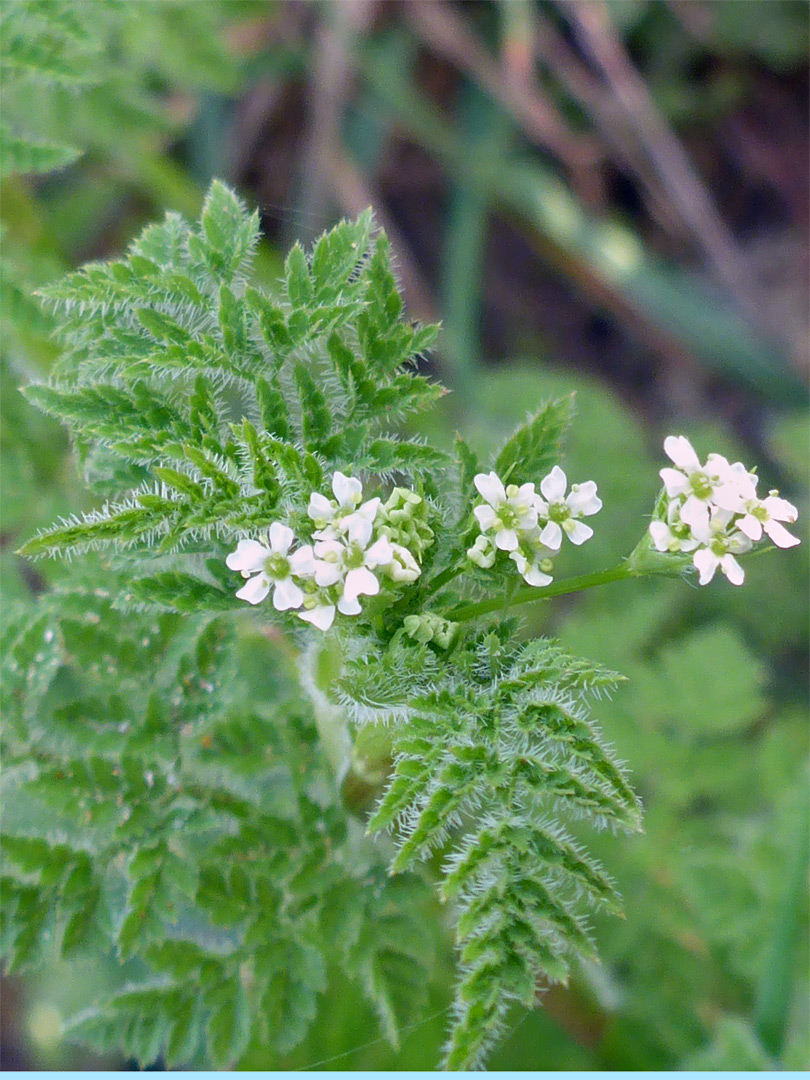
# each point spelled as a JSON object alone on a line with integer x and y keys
{"x": 429, "y": 627}
{"x": 403, "y": 566}
{"x": 482, "y": 553}
{"x": 403, "y": 519}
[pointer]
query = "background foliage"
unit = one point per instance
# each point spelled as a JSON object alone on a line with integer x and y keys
{"x": 515, "y": 154}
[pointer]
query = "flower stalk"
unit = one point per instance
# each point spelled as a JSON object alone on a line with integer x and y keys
{"x": 557, "y": 588}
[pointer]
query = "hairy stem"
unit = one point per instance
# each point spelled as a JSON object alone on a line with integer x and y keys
{"x": 446, "y": 575}
{"x": 557, "y": 588}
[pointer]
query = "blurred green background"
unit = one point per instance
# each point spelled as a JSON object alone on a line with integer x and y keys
{"x": 610, "y": 198}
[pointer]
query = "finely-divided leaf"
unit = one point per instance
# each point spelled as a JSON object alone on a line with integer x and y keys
{"x": 537, "y": 446}
{"x": 492, "y": 754}
{"x": 190, "y": 394}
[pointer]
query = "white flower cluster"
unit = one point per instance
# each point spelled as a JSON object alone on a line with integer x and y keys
{"x": 530, "y": 526}
{"x": 713, "y": 512}
{"x": 332, "y": 574}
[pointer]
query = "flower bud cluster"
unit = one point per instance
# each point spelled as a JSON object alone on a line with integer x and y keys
{"x": 529, "y": 526}
{"x": 403, "y": 519}
{"x": 429, "y": 627}
{"x": 355, "y": 543}
{"x": 712, "y": 512}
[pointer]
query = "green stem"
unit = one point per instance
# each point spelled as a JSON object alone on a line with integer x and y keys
{"x": 446, "y": 575}
{"x": 557, "y": 588}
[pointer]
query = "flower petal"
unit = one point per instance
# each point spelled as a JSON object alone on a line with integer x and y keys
{"x": 380, "y": 553}
{"x": 706, "y": 562}
{"x": 582, "y": 499}
{"x": 535, "y": 576}
{"x": 732, "y": 569}
{"x": 729, "y": 497}
{"x": 281, "y": 537}
{"x": 540, "y": 507}
{"x": 326, "y": 573}
{"x": 255, "y": 589}
{"x": 680, "y": 450}
{"x": 695, "y": 513}
{"x": 348, "y": 490}
{"x": 360, "y": 582}
{"x": 324, "y": 548}
{"x": 302, "y": 562}
{"x": 250, "y": 555}
{"x": 780, "y": 509}
{"x": 577, "y": 531}
{"x": 551, "y": 536}
{"x": 287, "y": 595}
{"x": 506, "y": 539}
{"x": 675, "y": 482}
{"x": 662, "y": 536}
{"x": 320, "y": 508}
{"x": 486, "y": 516}
{"x": 528, "y": 520}
{"x": 553, "y": 486}
{"x": 520, "y": 560}
{"x": 358, "y": 529}
{"x": 369, "y": 509}
{"x": 780, "y": 536}
{"x": 490, "y": 488}
{"x": 349, "y": 607}
{"x": 322, "y": 616}
{"x": 751, "y": 526}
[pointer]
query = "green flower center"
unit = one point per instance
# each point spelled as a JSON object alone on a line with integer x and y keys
{"x": 559, "y": 512}
{"x": 277, "y": 567}
{"x": 701, "y": 485}
{"x": 508, "y": 516}
{"x": 354, "y": 557}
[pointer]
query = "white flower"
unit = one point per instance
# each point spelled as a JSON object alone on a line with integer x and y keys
{"x": 271, "y": 567}
{"x": 720, "y": 552}
{"x": 530, "y": 569}
{"x": 716, "y": 483}
{"x": 672, "y": 535}
{"x": 508, "y": 511}
{"x": 765, "y": 515}
{"x": 665, "y": 539}
{"x": 332, "y": 515}
{"x": 482, "y": 553}
{"x": 561, "y": 514}
{"x": 351, "y": 564}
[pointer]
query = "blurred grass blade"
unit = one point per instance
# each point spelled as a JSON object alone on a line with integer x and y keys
{"x": 465, "y": 243}
{"x": 774, "y": 999}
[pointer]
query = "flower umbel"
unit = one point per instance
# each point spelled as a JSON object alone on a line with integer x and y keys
{"x": 712, "y": 511}
{"x": 530, "y": 526}
{"x": 351, "y": 551}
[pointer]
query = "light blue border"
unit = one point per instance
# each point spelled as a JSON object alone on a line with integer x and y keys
{"x": 398, "y": 1073}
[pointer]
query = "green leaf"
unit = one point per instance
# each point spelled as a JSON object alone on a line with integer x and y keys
{"x": 299, "y": 283}
{"x": 175, "y": 591}
{"x": 230, "y": 233}
{"x": 229, "y": 1023}
{"x": 23, "y": 155}
{"x": 534, "y": 448}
